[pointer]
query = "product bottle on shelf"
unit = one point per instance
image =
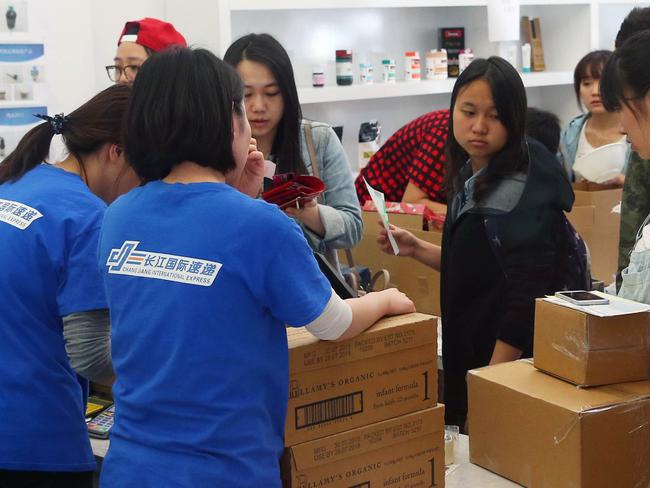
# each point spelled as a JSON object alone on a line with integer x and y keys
{"x": 318, "y": 77}
{"x": 366, "y": 73}
{"x": 388, "y": 74}
{"x": 412, "y": 66}
{"x": 11, "y": 17}
{"x": 344, "y": 67}
{"x": 465, "y": 57}
{"x": 436, "y": 64}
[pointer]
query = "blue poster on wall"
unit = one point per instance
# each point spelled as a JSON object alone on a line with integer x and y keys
{"x": 17, "y": 53}
{"x": 23, "y": 89}
{"x": 18, "y": 116}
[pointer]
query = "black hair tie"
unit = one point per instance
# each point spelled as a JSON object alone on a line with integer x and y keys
{"x": 59, "y": 122}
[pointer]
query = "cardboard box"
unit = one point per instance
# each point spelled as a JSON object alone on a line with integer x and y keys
{"x": 420, "y": 283}
{"x": 387, "y": 371}
{"x": 404, "y": 451}
{"x": 588, "y": 350}
{"x": 542, "y": 432}
{"x": 592, "y": 217}
{"x": 531, "y": 32}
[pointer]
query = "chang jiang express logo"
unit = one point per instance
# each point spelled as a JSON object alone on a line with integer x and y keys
{"x": 148, "y": 264}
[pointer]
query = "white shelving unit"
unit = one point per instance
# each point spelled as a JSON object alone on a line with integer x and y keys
{"x": 332, "y": 93}
{"x": 311, "y": 30}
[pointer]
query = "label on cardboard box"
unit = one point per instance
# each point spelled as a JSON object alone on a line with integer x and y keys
{"x": 388, "y": 371}
{"x": 403, "y": 451}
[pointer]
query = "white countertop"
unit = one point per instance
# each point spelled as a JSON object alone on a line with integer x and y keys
{"x": 463, "y": 474}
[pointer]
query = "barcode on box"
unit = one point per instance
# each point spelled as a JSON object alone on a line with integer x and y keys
{"x": 330, "y": 409}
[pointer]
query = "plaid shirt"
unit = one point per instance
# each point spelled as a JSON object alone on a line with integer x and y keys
{"x": 413, "y": 153}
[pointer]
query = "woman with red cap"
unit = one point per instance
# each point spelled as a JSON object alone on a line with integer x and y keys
{"x": 140, "y": 39}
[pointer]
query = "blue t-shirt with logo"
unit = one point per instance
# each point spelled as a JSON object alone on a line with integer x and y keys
{"x": 49, "y": 232}
{"x": 200, "y": 280}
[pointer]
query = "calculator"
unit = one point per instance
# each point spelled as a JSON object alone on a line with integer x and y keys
{"x": 95, "y": 406}
{"x": 100, "y": 426}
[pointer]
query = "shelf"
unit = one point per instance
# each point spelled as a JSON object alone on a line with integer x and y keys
{"x": 341, "y": 4}
{"x": 247, "y": 5}
{"x": 333, "y": 93}
{"x": 554, "y": 2}
{"x": 635, "y": 3}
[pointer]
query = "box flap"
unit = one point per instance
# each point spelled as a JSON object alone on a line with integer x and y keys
{"x": 608, "y": 196}
{"x": 361, "y": 440}
{"x": 521, "y": 376}
{"x": 390, "y": 334}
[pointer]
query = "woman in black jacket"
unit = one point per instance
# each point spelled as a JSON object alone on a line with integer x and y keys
{"x": 500, "y": 245}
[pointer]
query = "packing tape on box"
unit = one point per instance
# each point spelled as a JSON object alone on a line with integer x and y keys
{"x": 636, "y": 406}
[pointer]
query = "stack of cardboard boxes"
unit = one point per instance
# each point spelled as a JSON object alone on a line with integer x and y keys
{"x": 594, "y": 220}
{"x": 579, "y": 416}
{"x": 364, "y": 412}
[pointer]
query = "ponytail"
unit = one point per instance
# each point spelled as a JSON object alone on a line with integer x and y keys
{"x": 31, "y": 151}
{"x": 95, "y": 123}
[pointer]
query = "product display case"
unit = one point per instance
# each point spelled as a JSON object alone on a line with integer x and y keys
{"x": 312, "y": 30}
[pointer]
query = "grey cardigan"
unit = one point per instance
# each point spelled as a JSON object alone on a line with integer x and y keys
{"x": 339, "y": 206}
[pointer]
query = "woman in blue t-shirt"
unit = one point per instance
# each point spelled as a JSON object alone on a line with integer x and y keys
{"x": 201, "y": 280}
{"x": 53, "y": 302}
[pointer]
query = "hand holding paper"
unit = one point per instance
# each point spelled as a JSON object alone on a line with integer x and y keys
{"x": 380, "y": 205}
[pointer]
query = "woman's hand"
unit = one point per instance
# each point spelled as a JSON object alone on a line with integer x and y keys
{"x": 406, "y": 241}
{"x": 396, "y": 302}
{"x": 410, "y": 246}
{"x": 309, "y": 215}
{"x": 252, "y": 177}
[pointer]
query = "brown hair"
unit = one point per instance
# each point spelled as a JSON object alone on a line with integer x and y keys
{"x": 590, "y": 66}
{"x": 96, "y": 122}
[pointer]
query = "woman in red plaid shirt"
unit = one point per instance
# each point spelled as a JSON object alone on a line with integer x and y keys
{"x": 410, "y": 166}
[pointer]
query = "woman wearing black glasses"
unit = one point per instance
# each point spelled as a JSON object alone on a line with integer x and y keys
{"x": 139, "y": 39}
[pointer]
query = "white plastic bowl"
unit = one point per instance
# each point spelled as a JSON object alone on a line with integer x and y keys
{"x": 603, "y": 163}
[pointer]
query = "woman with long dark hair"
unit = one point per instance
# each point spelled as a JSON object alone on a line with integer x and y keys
{"x": 53, "y": 302}
{"x": 201, "y": 280}
{"x": 500, "y": 242}
{"x": 274, "y": 113}
{"x": 625, "y": 86}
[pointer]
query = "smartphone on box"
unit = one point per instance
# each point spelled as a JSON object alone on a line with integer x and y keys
{"x": 582, "y": 297}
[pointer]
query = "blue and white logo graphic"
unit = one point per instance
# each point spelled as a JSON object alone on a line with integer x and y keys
{"x": 146, "y": 264}
{"x": 17, "y": 214}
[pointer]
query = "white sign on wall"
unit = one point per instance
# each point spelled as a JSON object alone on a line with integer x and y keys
{"x": 503, "y": 20}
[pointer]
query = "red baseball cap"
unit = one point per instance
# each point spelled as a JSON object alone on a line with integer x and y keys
{"x": 152, "y": 33}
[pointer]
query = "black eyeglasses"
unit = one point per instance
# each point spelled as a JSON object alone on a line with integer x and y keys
{"x": 115, "y": 72}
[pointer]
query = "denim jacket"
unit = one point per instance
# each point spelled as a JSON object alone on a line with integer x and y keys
{"x": 339, "y": 206}
{"x": 569, "y": 144}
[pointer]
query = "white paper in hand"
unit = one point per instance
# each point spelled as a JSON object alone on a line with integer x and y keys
{"x": 380, "y": 205}
{"x": 269, "y": 169}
